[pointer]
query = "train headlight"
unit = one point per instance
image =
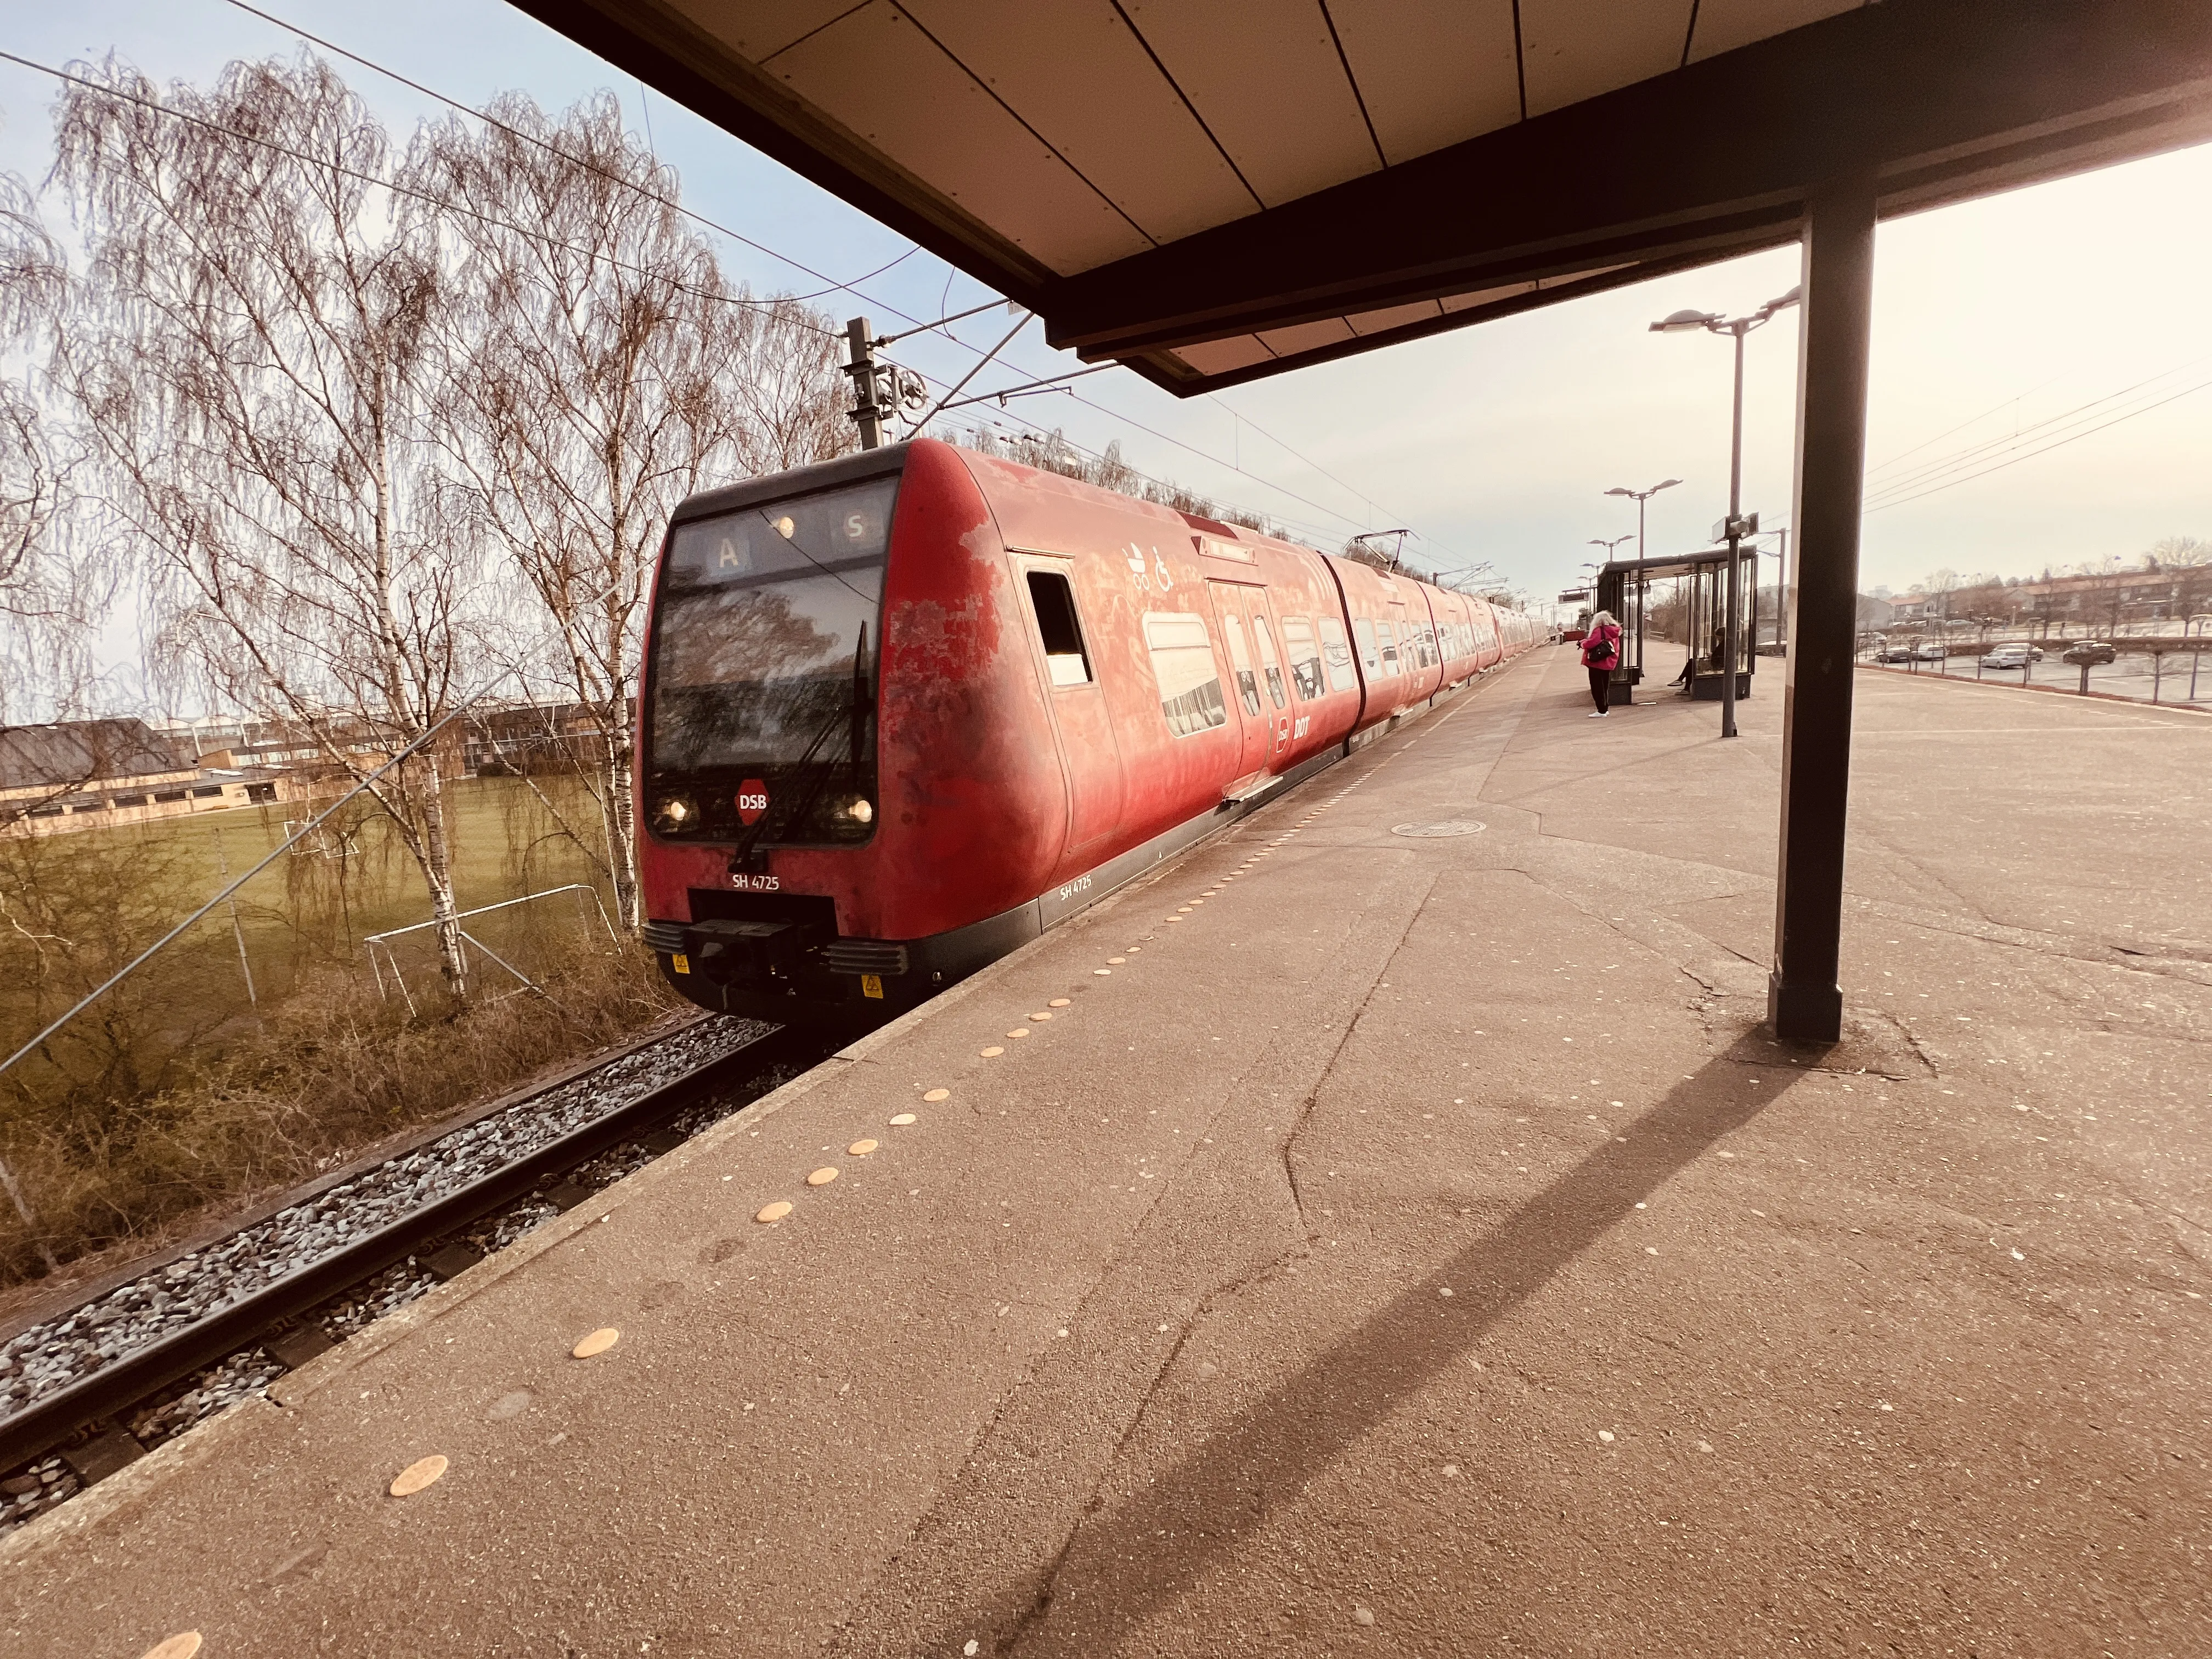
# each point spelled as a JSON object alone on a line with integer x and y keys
{"x": 674, "y": 814}
{"x": 858, "y": 810}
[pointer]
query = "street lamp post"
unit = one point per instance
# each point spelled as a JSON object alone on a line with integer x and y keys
{"x": 1682, "y": 322}
{"x": 1640, "y": 497}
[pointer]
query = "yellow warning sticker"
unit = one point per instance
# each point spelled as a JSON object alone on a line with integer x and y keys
{"x": 681, "y": 963}
{"x": 871, "y": 985}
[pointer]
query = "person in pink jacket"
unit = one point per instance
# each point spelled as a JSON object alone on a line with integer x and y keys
{"x": 1602, "y": 655}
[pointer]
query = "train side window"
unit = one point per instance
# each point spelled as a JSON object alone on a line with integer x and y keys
{"x": 1240, "y": 659}
{"x": 1364, "y": 631}
{"x": 1387, "y": 637}
{"x": 1269, "y": 661}
{"x": 1300, "y": 646}
{"x": 1053, "y": 600}
{"x": 1184, "y": 666}
{"x": 1425, "y": 642}
{"x": 1336, "y": 650}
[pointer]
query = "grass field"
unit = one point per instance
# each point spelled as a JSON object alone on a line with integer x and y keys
{"x": 177, "y": 1089}
{"x": 314, "y": 907}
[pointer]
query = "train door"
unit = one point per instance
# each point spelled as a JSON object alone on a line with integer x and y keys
{"x": 1273, "y": 680}
{"x": 1091, "y": 760}
{"x": 1245, "y": 696}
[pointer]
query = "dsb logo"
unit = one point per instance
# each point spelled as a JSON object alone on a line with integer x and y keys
{"x": 752, "y": 801}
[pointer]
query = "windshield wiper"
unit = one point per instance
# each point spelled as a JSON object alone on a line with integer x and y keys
{"x": 814, "y": 774}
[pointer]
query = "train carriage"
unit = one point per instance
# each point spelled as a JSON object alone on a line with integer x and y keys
{"x": 904, "y": 710}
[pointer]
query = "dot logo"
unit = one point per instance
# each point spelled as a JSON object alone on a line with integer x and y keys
{"x": 752, "y": 801}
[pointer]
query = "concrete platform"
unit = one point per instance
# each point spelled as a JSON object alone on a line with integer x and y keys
{"x": 1410, "y": 1247}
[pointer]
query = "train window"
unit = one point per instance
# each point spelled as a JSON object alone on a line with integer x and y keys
{"x": 1268, "y": 660}
{"x": 1364, "y": 631}
{"x": 764, "y": 635}
{"x": 1338, "y": 652}
{"x": 1305, "y": 653}
{"x": 1183, "y": 664}
{"x": 1424, "y": 645}
{"x": 1054, "y": 603}
{"x": 1240, "y": 659}
{"x": 1387, "y": 637}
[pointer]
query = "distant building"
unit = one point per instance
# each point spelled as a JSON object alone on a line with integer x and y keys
{"x": 2108, "y": 600}
{"x": 81, "y": 775}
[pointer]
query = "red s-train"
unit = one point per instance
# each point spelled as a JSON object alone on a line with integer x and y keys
{"x": 904, "y": 710}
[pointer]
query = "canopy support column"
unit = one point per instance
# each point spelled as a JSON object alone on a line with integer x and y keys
{"x": 1804, "y": 1000}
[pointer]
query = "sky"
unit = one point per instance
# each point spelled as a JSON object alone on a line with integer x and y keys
{"x": 2070, "y": 314}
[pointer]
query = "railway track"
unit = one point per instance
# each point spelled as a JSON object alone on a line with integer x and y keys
{"x": 89, "y": 1388}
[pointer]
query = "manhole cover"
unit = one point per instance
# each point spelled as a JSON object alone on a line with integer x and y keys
{"x": 1449, "y": 827}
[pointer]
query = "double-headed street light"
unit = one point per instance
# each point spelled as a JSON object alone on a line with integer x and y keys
{"x": 1684, "y": 322}
{"x": 1640, "y": 497}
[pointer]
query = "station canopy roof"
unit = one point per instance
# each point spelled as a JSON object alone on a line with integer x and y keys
{"x": 1212, "y": 190}
{"x": 1677, "y": 564}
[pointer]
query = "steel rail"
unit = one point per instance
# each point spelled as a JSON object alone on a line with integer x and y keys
{"x": 49, "y": 1421}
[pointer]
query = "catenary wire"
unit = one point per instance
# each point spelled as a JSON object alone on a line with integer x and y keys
{"x": 371, "y": 65}
{"x": 2044, "y": 449}
{"x": 1973, "y": 453}
{"x": 833, "y": 285}
{"x": 371, "y": 179}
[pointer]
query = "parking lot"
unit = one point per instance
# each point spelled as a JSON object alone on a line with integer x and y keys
{"x": 2129, "y": 676}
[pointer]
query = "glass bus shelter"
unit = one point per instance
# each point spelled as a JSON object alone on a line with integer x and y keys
{"x": 1673, "y": 613}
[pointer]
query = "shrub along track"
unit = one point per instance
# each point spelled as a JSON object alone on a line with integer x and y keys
{"x": 86, "y": 1391}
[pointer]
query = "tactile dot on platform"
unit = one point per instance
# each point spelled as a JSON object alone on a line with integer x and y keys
{"x": 939, "y": 1094}
{"x": 993, "y": 1052}
{"x": 1182, "y": 909}
{"x": 598, "y": 1342}
{"x": 902, "y": 1120}
{"x": 1104, "y": 973}
{"x": 772, "y": 1213}
{"x": 182, "y": 1645}
{"x": 1175, "y": 918}
{"x": 1022, "y": 1032}
{"x": 1040, "y": 1015}
{"x": 1117, "y": 961}
{"x": 861, "y": 1148}
{"x": 418, "y": 1475}
{"x": 823, "y": 1176}
{"x": 1059, "y": 1002}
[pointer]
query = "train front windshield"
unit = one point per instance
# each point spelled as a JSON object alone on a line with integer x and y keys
{"x": 765, "y": 641}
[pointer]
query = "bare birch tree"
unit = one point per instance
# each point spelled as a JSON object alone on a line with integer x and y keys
{"x": 53, "y": 583}
{"x": 599, "y": 367}
{"x": 257, "y": 390}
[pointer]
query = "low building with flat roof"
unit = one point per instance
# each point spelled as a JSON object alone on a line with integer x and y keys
{"x": 82, "y": 774}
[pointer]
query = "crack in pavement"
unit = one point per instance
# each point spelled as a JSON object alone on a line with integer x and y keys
{"x": 1306, "y": 1106}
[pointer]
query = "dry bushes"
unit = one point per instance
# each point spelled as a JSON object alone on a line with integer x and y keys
{"x": 332, "y": 1070}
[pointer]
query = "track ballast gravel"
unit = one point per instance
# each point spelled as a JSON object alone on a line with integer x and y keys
{"x": 50, "y": 1356}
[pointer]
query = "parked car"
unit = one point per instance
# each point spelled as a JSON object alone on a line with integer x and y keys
{"x": 1895, "y": 654}
{"x": 2090, "y": 651}
{"x": 1932, "y": 652}
{"x": 2011, "y": 656}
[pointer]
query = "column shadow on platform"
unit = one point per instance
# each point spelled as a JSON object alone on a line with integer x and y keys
{"x": 1121, "y": 1565}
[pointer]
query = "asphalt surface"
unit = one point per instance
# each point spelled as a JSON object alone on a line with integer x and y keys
{"x": 1411, "y": 1247}
{"x": 2129, "y": 674}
